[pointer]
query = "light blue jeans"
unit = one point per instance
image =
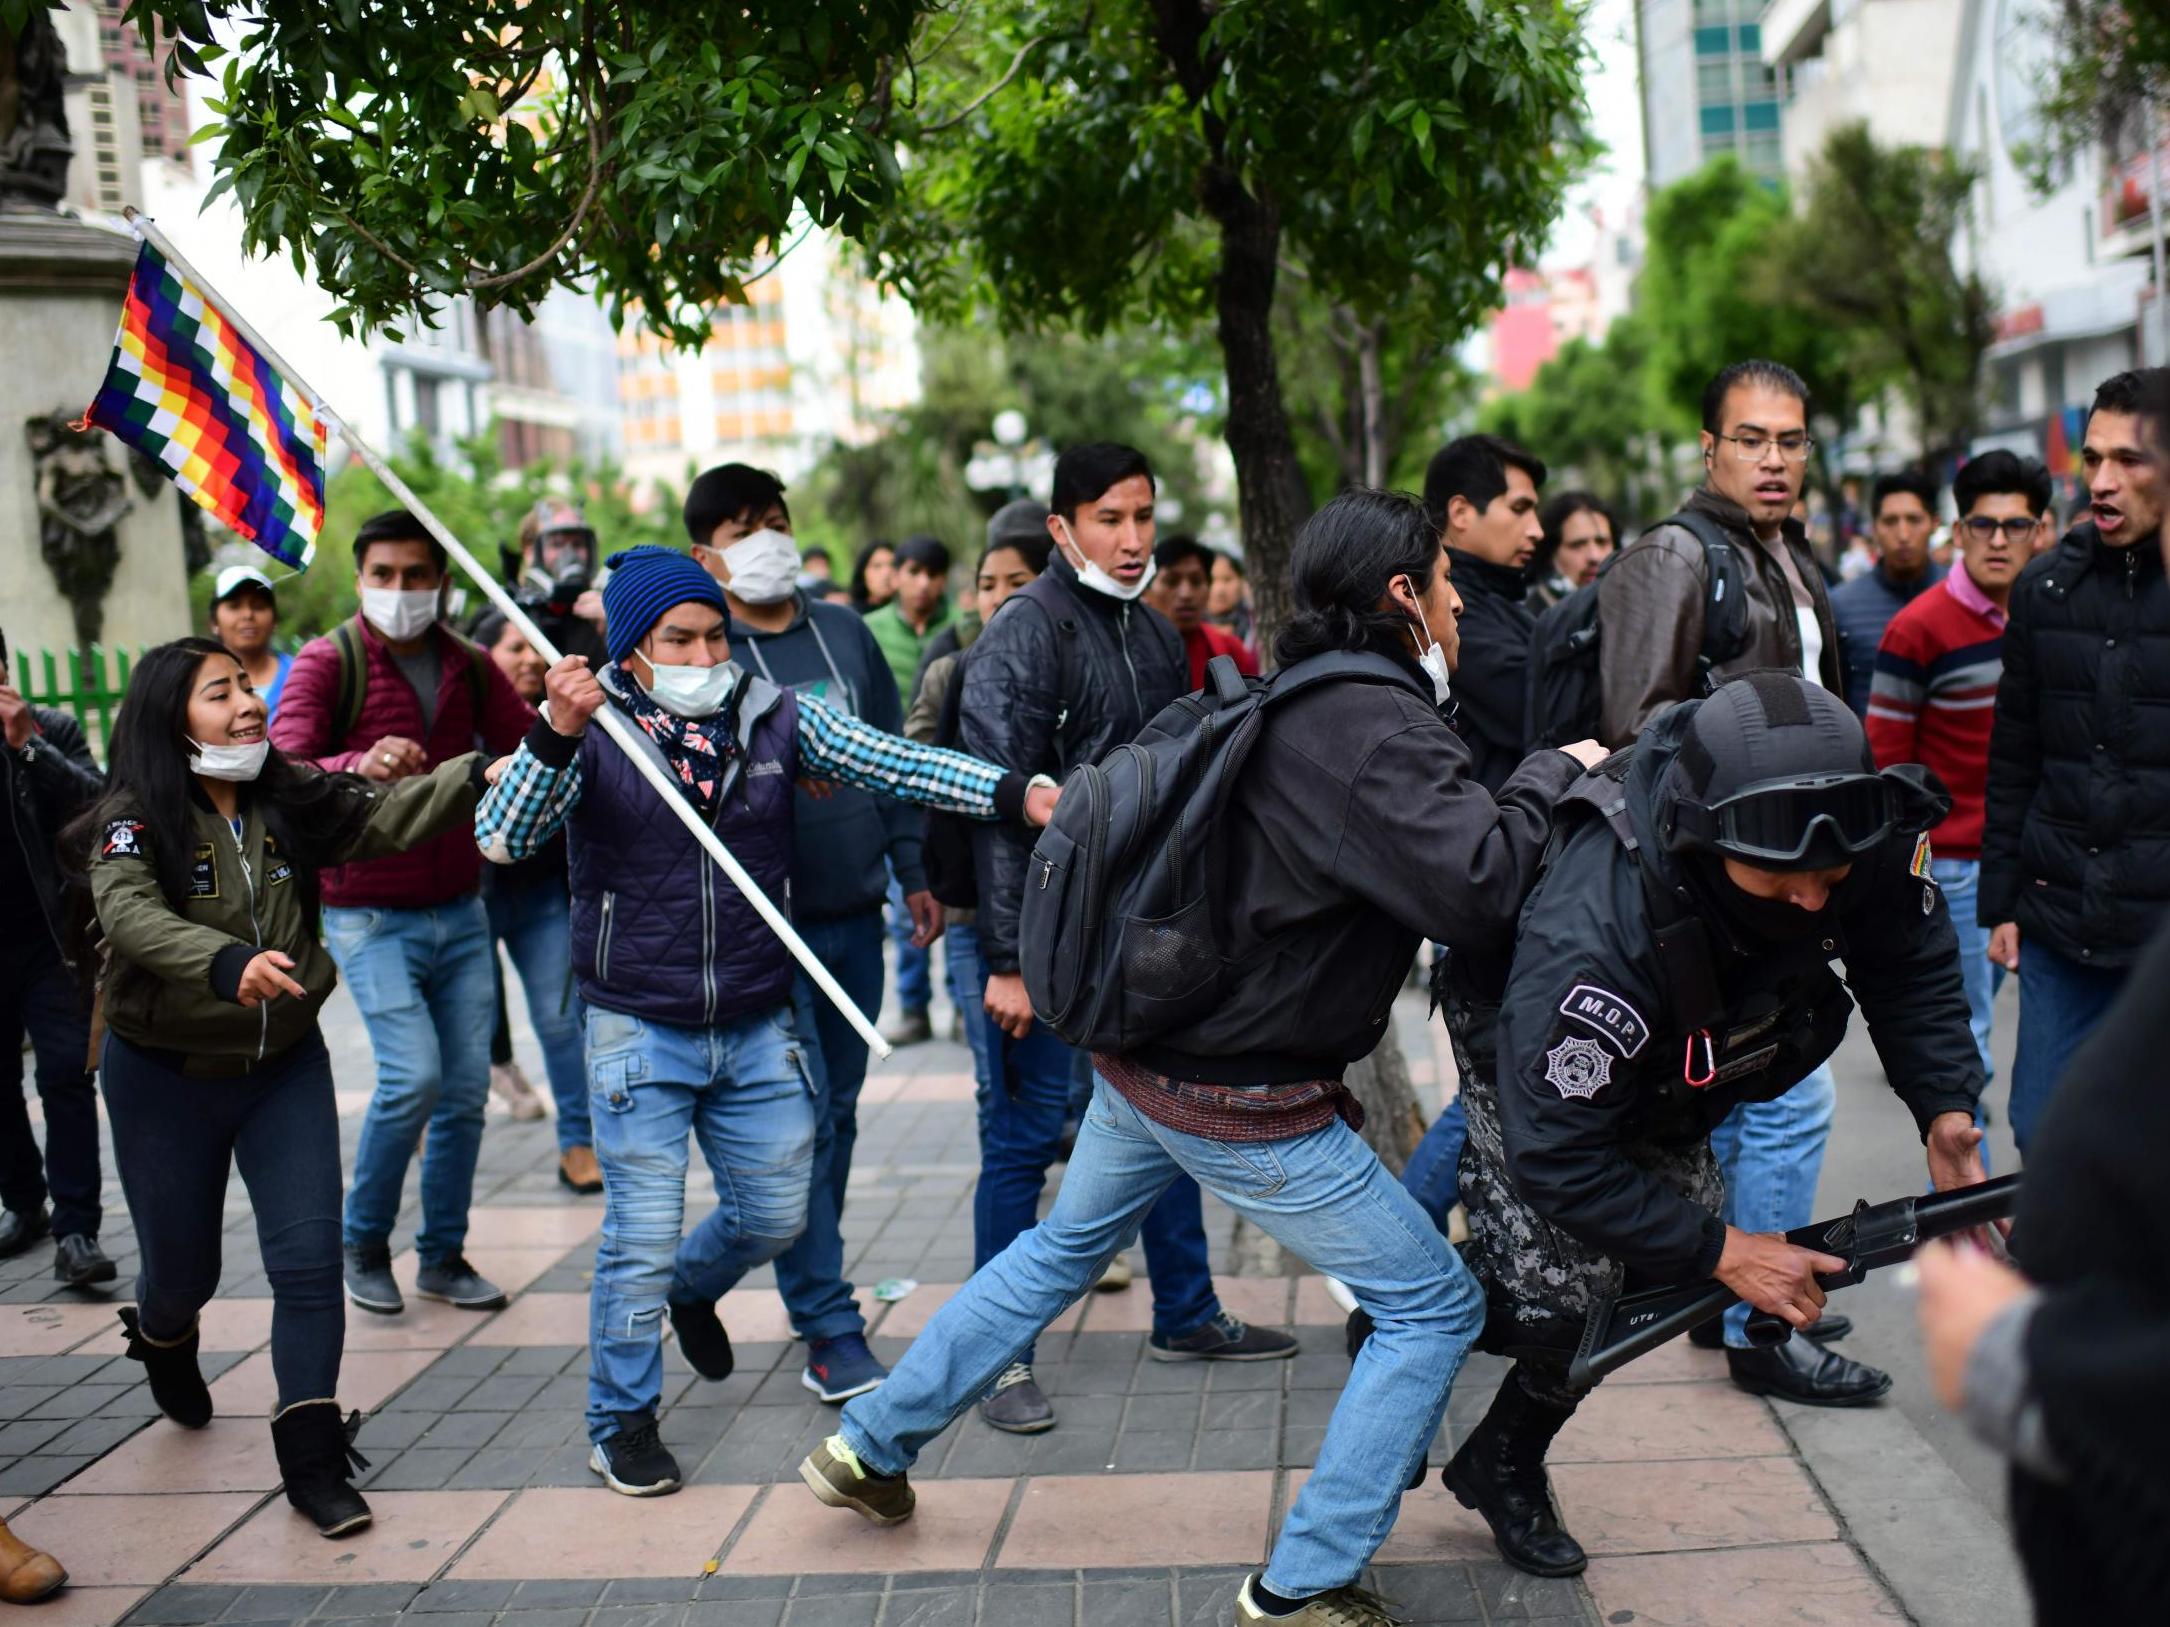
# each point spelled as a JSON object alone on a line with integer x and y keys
{"x": 422, "y": 980}
{"x": 1325, "y": 1197}
{"x": 1960, "y": 881}
{"x": 535, "y": 926}
{"x": 1771, "y": 1154}
{"x": 741, "y": 1090}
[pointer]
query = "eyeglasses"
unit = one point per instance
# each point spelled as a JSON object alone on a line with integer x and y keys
{"x": 1750, "y": 448}
{"x": 2015, "y": 530}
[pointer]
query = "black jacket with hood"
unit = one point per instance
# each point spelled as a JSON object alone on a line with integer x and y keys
{"x": 1357, "y": 830}
{"x": 46, "y": 784}
{"x": 1061, "y": 676}
{"x": 1594, "y": 1041}
{"x": 2076, "y": 826}
{"x": 1491, "y": 680}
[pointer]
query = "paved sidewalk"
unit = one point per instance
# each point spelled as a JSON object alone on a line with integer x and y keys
{"x": 1160, "y": 1486}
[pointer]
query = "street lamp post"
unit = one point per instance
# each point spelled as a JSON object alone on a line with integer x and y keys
{"x": 1010, "y": 429}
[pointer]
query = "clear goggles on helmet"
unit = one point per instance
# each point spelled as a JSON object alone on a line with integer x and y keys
{"x": 1778, "y": 822}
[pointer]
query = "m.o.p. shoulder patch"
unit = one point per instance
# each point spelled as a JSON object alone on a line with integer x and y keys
{"x": 1610, "y": 1015}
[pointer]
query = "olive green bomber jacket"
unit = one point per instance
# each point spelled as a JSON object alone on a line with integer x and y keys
{"x": 172, "y": 975}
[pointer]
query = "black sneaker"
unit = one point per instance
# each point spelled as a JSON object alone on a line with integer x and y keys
{"x": 702, "y": 1337}
{"x": 1224, "y": 1339}
{"x": 78, "y": 1261}
{"x": 635, "y": 1462}
{"x": 459, "y": 1284}
{"x": 369, "y": 1279}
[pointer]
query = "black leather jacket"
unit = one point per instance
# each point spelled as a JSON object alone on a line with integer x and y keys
{"x": 1061, "y": 676}
{"x": 47, "y": 783}
{"x": 1596, "y": 1051}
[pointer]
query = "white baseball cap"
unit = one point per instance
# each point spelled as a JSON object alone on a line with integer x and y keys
{"x": 235, "y": 577}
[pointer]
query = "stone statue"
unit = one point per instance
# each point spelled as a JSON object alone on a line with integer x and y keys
{"x": 81, "y": 497}
{"x": 34, "y": 144}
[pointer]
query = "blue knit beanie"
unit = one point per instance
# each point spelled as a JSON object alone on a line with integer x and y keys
{"x": 644, "y": 582}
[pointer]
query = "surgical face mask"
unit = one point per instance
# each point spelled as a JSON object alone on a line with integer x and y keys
{"x": 691, "y": 692}
{"x": 764, "y": 567}
{"x": 401, "y": 614}
{"x": 1432, "y": 657}
{"x": 239, "y": 763}
{"x": 1100, "y": 581}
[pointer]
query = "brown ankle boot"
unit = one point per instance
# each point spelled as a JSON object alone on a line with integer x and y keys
{"x": 26, "y": 1575}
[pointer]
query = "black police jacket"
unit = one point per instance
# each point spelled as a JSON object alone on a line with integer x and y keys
{"x": 1061, "y": 676}
{"x": 46, "y": 784}
{"x": 1491, "y": 680}
{"x": 1599, "y": 1047}
{"x": 2076, "y": 827}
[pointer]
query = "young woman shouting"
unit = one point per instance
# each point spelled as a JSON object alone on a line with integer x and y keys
{"x": 202, "y": 859}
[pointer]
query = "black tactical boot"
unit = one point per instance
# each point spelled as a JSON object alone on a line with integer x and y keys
{"x": 317, "y": 1459}
{"x": 175, "y": 1378}
{"x": 1500, "y": 1472}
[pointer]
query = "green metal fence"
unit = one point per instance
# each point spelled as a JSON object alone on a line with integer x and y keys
{"x": 88, "y": 683}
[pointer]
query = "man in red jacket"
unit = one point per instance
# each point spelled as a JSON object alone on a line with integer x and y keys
{"x": 1182, "y": 582}
{"x": 392, "y": 693}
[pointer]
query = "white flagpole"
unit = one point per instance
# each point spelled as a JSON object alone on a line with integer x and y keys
{"x": 621, "y": 732}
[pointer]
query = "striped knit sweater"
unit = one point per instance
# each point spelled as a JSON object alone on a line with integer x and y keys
{"x": 1934, "y": 698}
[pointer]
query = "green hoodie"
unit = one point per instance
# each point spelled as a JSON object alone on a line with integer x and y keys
{"x": 172, "y": 976}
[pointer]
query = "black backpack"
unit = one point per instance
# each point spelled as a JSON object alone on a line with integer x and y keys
{"x": 1565, "y": 695}
{"x": 1118, "y": 938}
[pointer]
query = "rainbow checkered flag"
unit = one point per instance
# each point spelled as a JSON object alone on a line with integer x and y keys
{"x": 186, "y": 390}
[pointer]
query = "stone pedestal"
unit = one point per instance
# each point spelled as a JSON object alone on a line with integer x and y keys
{"x": 61, "y": 287}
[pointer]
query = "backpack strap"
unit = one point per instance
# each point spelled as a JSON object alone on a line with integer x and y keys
{"x": 1725, "y": 607}
{"x": 353, "y": 680}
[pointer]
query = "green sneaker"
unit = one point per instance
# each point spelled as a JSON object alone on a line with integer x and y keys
{"x": 1349, "y": 1606}
{"x": 833, "y": 1473}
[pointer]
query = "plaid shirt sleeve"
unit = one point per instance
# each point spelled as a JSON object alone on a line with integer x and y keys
{"x": 834, "y": 745}
{"x": 526, "y": 807}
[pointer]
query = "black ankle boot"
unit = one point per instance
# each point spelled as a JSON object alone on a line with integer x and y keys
{"x": 176, "y": 1380}
{"x": 316, "y": 1448}
{"x": 1500, "y": 1473}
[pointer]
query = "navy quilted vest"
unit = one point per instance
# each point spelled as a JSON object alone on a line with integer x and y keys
{"x": 658, "y": 931}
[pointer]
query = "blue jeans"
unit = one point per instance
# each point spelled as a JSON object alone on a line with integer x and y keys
{"x": 810, "y": 1273}
{"x": 2060, "y": 1001}
{"x": 915, "y": 967}
{"x": 535, "y": 926}
{"x": 1960, "y": 881}
{"x": 422, "y": 980}
{"x": 1771, "y": 1154}
{"x": 1432, "y": 1173}
{"x": 742, "y": 1090}
{"x": 1024, "y": 1100}
{"x": 1325, "y": 1197}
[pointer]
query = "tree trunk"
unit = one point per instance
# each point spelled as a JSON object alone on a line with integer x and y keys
{"x": 1369, "y": 344}
{"x": 1272, "y": 495}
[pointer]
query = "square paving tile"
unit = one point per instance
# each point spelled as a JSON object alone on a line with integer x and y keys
{"x": 573, "y": 1533}
{"x": 1672, "y": 1363}
{"x": 1822, "y": 1585}
{"x": 366, "y": 1379}
{"x": 425, "y": 1324}
{"x": 76, "y": 1606}
{"x": 753, "y": 1316}
{"x": 1699, "y": 1503}
{"x": 1314, "y": 1306}
{"x": 1638, "y": 1423}
{"x": 1094, "y": 1520}
{"x": 909, "y": 1316}
{"x": 227, "y": 1454}
{"x": 1263, "y": 1301}
{"x": 47, "y": 1330}
{"x": 414, "y": 1533}
{"x": 792, "y": 1534}
{"x": 537, "y": 1319}
{"x": 121, "y": 1540}
{"x": 557, "y": 1226}
{"x": 236, "y": 1324}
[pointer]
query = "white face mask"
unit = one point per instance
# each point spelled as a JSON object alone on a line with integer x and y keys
{"x": 1432, "y": 657}
{"x": 239, "y": 763}
{"x": 1100, "y": 581}
{"x": 400, "y": 614}
{"x": 691, "y": 692}
{"x": 764, "y": 567}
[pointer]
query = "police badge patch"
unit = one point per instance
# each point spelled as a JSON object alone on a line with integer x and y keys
{"x": 1578, "y": 1068}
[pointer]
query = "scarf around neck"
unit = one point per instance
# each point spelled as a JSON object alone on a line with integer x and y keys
{"x": 698, "y": 750}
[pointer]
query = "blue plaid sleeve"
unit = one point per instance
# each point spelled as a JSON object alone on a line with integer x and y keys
{"x": 526, "y": 807}
{"x": 834, "y": 745}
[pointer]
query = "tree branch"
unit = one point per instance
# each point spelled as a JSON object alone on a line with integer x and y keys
{"x": 580, "y": 210}
{"x": 974, "y": 105}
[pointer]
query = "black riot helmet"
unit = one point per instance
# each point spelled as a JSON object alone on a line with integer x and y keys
{"x": 1775, "y": 771}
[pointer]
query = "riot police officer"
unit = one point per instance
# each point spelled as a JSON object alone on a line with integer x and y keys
{"x": 553, "y": 575}
{"x": 1676, "y": 959}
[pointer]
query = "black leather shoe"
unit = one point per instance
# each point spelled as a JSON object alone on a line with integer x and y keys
{"x": 1500, "y": 1473}
{"x": 1832, "y": 1328}
{"x": 1801, "y": 1370}
{"x": 78, "y": 1261}
{"x": 18, "y": 1231}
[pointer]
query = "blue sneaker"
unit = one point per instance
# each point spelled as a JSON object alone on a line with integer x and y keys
{"x": 840, "y": 1368}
